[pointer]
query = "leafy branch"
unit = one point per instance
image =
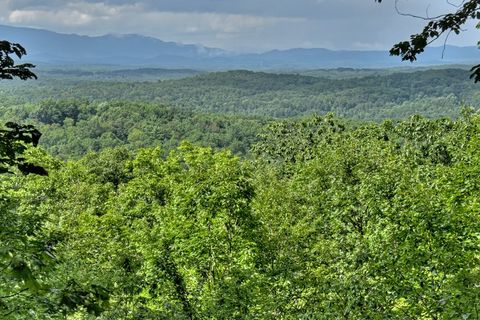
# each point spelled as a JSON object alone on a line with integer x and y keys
{"x": 435, "y": 28}
{"x": 8, "y": 69}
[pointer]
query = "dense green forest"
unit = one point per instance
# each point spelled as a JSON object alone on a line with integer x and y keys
{"x": 241, "y": 195}
{"x": 73, "y": 127}
{"x": 327, "y": 221}
{"x": 221, "y": 110}
{"x": 433, "y": 93}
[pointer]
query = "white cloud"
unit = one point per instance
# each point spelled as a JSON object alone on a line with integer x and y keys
{"x": 99, "y": 18}
{"x": 253, "y": 25}
{"x": 71, "y": 14}
{"x": 36, "y": 17}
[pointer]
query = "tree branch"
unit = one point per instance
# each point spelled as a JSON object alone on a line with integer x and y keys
{"x": 426, "y": 18}
{"x": 13, "y": 294}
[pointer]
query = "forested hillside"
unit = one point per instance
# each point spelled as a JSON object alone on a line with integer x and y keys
{"x": 78, "y": 114}
{"x": 326, "y": 221}
{"x": 240, "y": 195}
{"x": 434, "y": 93}
{"x": 73, "y": 127}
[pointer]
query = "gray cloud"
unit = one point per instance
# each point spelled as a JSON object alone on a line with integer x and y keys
{"x": 313, "y": 9}
{"x": 252, "y": 25}
{"x": 285, "y": 8}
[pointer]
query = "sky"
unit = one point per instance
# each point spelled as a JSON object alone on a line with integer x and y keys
{"x": 239, "y": 25}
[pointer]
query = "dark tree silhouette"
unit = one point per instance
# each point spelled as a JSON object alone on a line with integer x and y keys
{"x": 15, "y": 137}
{"x": 8, "y": 69}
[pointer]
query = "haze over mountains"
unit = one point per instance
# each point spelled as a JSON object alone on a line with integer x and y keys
{"x": 136, "y": 50}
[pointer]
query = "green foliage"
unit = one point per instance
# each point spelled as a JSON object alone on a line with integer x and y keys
{"x": 368, "y": 229}
{"x": 13, "y": 143}
{"x": 221, "y": 110}
{"x": 375, "y": 96}
{"x": 296, "y": 141}
{"x": 171, "y": 239}
{"x": 72, "y": 128}
{"x": 329, "y": 220}
{"x": 27, "y": 256}
{"x": 56, "y": 112}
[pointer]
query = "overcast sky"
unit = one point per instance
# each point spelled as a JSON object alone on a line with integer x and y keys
{"x": 240, "y": 25}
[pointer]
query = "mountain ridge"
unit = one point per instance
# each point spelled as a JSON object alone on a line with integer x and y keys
{"x": 139, "y": 50}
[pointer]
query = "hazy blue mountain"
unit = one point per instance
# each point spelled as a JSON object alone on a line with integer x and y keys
{"x": 52, "y": 47}
{"x": 136, "y": 50}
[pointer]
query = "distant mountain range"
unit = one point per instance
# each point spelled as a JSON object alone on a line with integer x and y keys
{"x": 135, "y": 50}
